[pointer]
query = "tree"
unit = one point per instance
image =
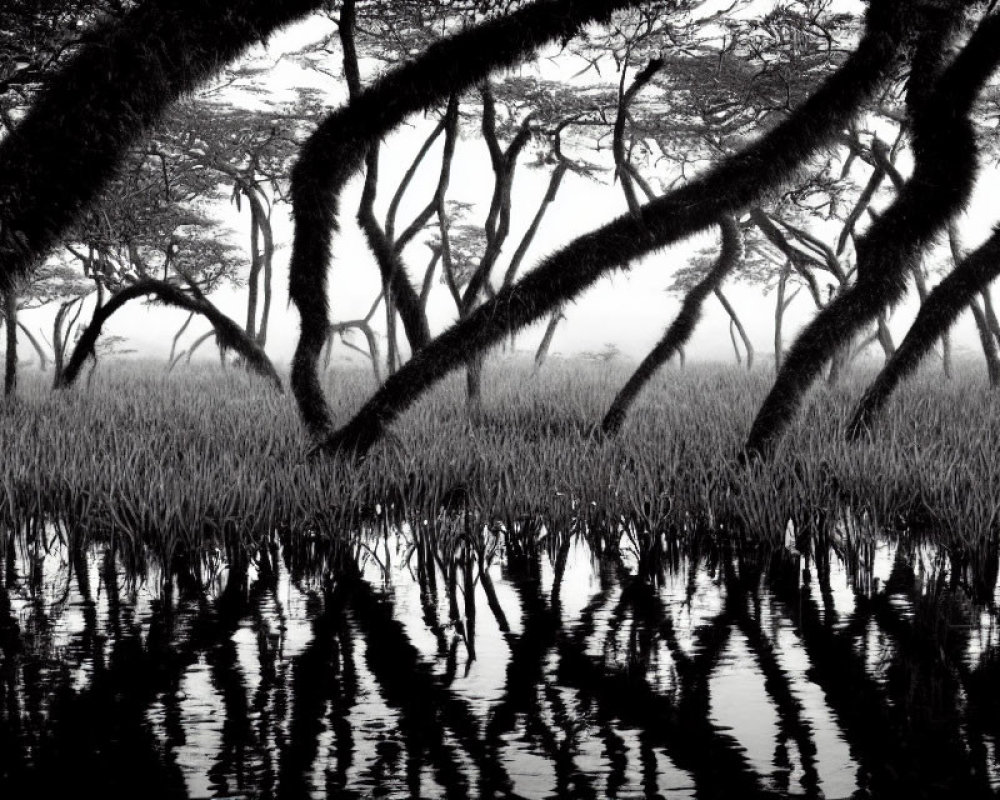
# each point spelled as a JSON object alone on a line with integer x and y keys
{"x": 940, "y": 100}
{"x": 248, "y": 151}
{"x": 681, "y": 328}
{"x": 69, "y": 145}
{"x": 736, "y": 183}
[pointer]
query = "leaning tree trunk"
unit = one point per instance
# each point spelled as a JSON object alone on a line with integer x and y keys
{"x": 10, "y": 362}
{"x": 43, "y": 359}
{"x": 736, "y": 345}
{"x": 399, "y": 291}
{"x": 542, "y": 353}
{"x": 990, "y": 311}
{"x": 988, "y": 342}
{"x": 682, "y": 327}
{"x": 944, "y": 304}
{"x": 228, "y": 334}
{"x": 101, "y": 102}
{"x": 945, "y": 163}
{"x": 735, "y": 184}
{"x": 735, "y": 319}
{"x": 335, "y": 152}
{"x": 885, "y": 337}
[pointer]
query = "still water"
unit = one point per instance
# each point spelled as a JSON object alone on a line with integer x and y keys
{"x": 536, "y": 666}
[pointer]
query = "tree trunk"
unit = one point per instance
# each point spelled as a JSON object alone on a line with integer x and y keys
{"x": 736, "y": 183}
{"x": 228, "y": 334}
{"x": 265, "y": 314}
{"x": 177, "y": 338}
{"x": 103, "y": 100}
{"x": 921, "y": 283}
{"x": 392, "y": 355}
{"x": 474, "y": 387}
{"x": 10, "y": 363}
{"x": 736, "y": 345}
{"x": 885, "y": 338}
{"x": 944, "y": 304}
{"x": 335, "y": 152}
{"x": 991, "y": 314}
{"x": 43, "y": 359}
{"x": 946, "y": 358}
{"x": 747, "y": 344}
{"x": 988, "y": 342}
{"x": 945, "y": 164}
{"x": 399, "y": 292}
{"x": 682, "y": 327}
{"x": 780, "y": 306}
{"x": 254, "y": 278}
{"x": 542, "y": 353}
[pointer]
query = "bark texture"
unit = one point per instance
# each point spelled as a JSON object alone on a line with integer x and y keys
{"x": 61, "y": 155}
{"x": 945, "y": 162}
{"x": 943, "y": 306}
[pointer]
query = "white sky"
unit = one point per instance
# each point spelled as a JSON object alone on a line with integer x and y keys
{"x": 630, "y": 310}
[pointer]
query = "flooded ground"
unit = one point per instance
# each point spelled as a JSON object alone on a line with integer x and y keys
{"x": 535, "y": 666}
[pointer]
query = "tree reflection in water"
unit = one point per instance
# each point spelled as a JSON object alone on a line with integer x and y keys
{"x": 459, "y": 662}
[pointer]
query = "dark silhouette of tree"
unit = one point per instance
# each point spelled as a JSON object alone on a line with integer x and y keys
{"x": 681, "y": 328}
{"x": 338, "y": 148}
{"x": 945, "y": 164}
{"x": 227, "y": 333}
{"x": 59, "y": 156}
{"x": 736, "y": 183}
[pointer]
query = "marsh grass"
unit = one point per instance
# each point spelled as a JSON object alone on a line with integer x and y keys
{"x": 209, "y": 459}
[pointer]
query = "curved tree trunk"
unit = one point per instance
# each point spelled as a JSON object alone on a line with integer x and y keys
{"x": 228, "y": 334}
{"x": 737, "y": 183}
{"x": 920, "y": 281}
{"x": 177, "y": 337}
{"x": 885, "y": 337}
{"x": 943, "y": 306}
{"x": 43, "y": 359}
{"x": 735, "y": 320}
{"x": 101, "y": 102}
{"x": 946, "y": 160}
{"x": 736, "y": 344}
{"x": 681, "y": 328}
{"x": 335, "y": 152}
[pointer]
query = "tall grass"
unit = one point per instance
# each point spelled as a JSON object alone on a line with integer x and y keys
{"x": 207, "y": 459}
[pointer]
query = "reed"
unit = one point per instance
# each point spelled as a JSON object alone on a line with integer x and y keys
{"x": 207, "y": 459}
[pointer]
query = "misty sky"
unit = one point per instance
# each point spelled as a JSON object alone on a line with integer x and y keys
{"x": 628, "y": 309}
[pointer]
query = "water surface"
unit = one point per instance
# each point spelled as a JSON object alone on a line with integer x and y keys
{"x": 481, "y": 664}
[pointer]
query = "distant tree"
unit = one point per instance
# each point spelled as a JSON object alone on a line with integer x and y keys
{"x": 737, "y": 183}
{"x": 249, "y": 152}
